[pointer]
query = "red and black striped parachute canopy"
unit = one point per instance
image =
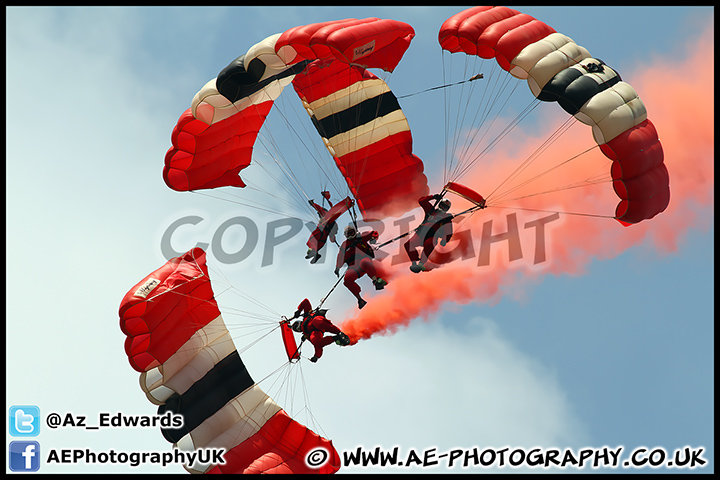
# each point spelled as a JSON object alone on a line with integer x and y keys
{"x": 559, "y": 70}
{"x": 189, "y": 365}
{"x": 356, "y": 114}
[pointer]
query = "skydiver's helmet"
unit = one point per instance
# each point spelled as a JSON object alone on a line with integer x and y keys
{"x": 350, "y": 231}
{"x": 297, "y": 326}
{"x": 444, "y": 205}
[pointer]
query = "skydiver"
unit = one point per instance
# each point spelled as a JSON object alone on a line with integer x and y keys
{"x": 327, "y": 226}
{"x": 437, "y": 225}
{"x": 319, "y": 236}
{"x": 313, "y": 327}
{"x": 357, "y": 253}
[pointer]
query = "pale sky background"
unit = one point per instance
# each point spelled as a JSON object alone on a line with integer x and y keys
{"x": 621, "y": 355}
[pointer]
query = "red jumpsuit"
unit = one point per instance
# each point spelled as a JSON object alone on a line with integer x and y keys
{"x": 314, "y": 328}
{"x": 358, "y": 255}
{"x": 327, "y": 225}
{"x": 320, "y": 235}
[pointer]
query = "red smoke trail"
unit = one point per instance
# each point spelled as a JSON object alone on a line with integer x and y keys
{"x": 678, "y": 92}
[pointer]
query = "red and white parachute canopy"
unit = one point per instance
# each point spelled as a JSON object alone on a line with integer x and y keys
{"x": 557, "y": 69}
{"x": 355, "y": 113}
{"x": 188, "y": 365}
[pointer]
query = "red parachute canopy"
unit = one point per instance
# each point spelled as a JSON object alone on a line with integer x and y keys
{"x": 466, "y": 193}
{"x": 371, "y": 42}
{"x": 189, "y": 365}
{"x": 367, "y": 134}
{"x": 214, "y": 139}
{"x": 291, "y": 346}
{"x": 559, "y": 70}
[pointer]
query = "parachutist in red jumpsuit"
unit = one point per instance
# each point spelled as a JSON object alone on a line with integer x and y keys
{"x": 314, "y": 325}
{"x": 324, "y": 230}
{"x": 327, "y": 226}
{"x": 358, "y": 255}
{"x": 437, "y": 225}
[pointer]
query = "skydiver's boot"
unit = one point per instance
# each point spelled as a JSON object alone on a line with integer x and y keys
{"x": 417, "y": 267}
{"x": 361, "y": 303}
{"x": 310, "y": 253}
{"x": 314, "y": 359}
{"x": 316, "y": 257}
{"x": 379, "y": 283}
{"x": 341, "y": 339}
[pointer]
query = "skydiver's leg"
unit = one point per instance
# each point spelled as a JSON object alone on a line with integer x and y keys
{"x": 313, "y": 244}
{"x": 351, "y": 275}
{"x": 375, "y": 272}
{"x": 428, "y": 247}
{"x": 332, "y": 232}
{"x": 411, "y": 249}
{"x": 320, "y": 342}
{"x": 325, "y": 325}
{"x": 321, "y": 240}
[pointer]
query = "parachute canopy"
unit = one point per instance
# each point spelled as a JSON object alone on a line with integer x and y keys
{"x": 466, "y": 193}
{"x": 559, "y": 70}
{"x": 177, "y": 339}
{"x": 367, "y": 134}
{"x": 355, "y": 112}
{"x": 291, "y": 346}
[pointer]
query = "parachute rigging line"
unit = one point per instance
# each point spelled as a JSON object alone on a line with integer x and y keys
{"x": 495, "y": 93}
{"x": 340, "y": 277}
{"x": 324, "y": 169}
{"x": 535, "y": 155}
{"x": 578, "y": 214}
{"x": 473, "y": 78}
{"x": 569, "y": 186}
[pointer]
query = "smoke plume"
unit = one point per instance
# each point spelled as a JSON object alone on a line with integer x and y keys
{"x": 678, "y": 92}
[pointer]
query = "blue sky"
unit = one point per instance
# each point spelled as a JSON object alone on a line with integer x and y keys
{"x": 620, "y": 355}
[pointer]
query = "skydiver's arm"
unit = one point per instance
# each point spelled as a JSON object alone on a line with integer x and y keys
{"x": 426, "y": 205}
{"x": 370, "y": 237}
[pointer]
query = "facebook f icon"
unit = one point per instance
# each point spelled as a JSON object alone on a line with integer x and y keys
{"x": 24, "y": 421}
{"x": 24, "y": 456}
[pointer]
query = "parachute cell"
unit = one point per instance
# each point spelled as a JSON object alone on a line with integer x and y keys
{"x": 558, "y": 70}
{"x": 368, "y": 43}
{"x": 177, "y": 339}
